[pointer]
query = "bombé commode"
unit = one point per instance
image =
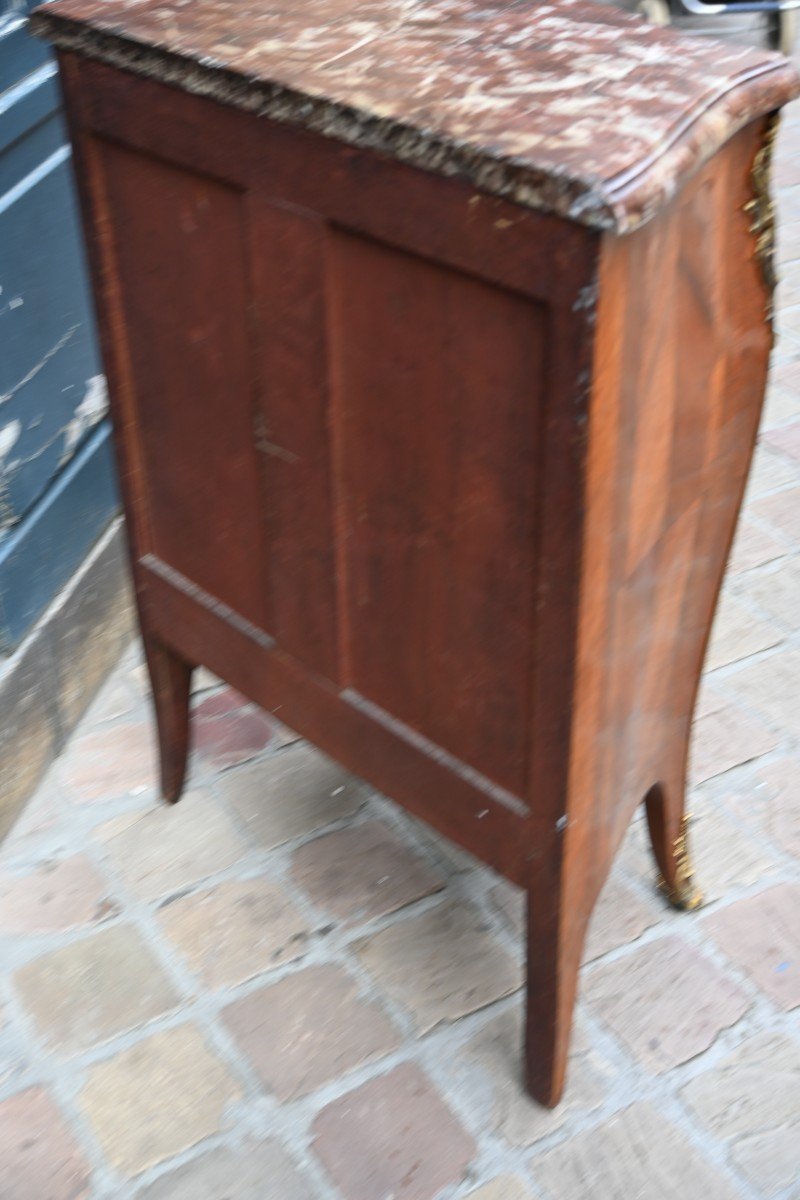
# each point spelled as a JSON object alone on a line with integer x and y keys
{"x": 436, "y": 338}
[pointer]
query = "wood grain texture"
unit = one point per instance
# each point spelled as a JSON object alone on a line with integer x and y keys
{"x": 437, "y": 477}
{"x": 680, "y": 362}
{"x": 448, "y": 483}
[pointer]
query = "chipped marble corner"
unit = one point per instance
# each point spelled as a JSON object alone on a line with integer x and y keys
{"x": 760, "y": 210}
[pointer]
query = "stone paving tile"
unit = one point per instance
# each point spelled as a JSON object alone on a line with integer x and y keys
{"x": 440, "y": 965}
{"x": 620, "y": 917}
{"x": 767, "y": 802}
{"x": 227, "y": 730}
{"x": 724, "y": 855}
{"x": 777, "y": 592}
{"x": 308, "y": 1029}
{"x": 637, "y": 1153}
{"x": 752, "y": 1099}
{"x": 236, "y": 930}
{"x": 781, "y": 780}
{"x": 761, "y": 934}
{"x": 782, "y": 512}
{"x": 362, "y": 872}
{"x": 392, "y": 1137}
{"x": 453, "y": 859}
{"x": 251, "y": 1171}
{"x": 163, "y": 849}
{"x": 666, "y": 1002}
{"x": 727, "y": 738}
{"x": 737, "y": 633}
{"x": 157, "y": 1099}
{"x": 770, "y": 686}
{"x": 41, "y": 818}
{"x": 111, "y": 761}
{"x": 497, "y": 1052}
{"x": 56, "y": 896}
{"x": 785, "y": 439}
{"x": 785, "y": 371}
{"x": 753, "y": 546}
{"x": 92, "y": 989}
{"x": 39, "y": 1158}
{"x": 291, "y": 794}
{"x": 769, "y": 471}
{"x": 782, "y": 406}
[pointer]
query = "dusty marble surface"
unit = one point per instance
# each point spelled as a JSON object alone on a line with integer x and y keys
{"x": 562, "y": 106}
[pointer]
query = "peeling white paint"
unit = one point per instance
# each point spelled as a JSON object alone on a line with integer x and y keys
{"x": 92, "y": 408}
{"x": 9, "y": 435}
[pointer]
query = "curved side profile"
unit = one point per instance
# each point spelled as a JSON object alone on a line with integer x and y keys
{"x": 681, "y": 356}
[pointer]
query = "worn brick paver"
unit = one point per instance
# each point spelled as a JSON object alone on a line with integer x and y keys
{"x": 284, "y": 988}
{"x": 665, "y": 1001}
{"x": 393, "y": 1137}
{"x": 365, "y": 871}
{"x": 308, "y": 1029}
{"x": 156, "y": 1099}
{"x": 236, "y": 930}
{"x": 492, "y": 1057}
{"x": 92, "y": 989}
{"x": 227, "y": 730}
{"x": 761, "y": 934}
{"x": 292, "y": 794}
{"x": 38, "y": 1155}
{"x": 440, "y": 965}
{"x": 771, "y": 806}
{"x": 158, "y": 851}
{"x": 250, "y": 1171}
{"x": 61, "y": 894}
{"x": 636, "y": 1153}
{"x": 751, "y": 1098}
{"x": 108, "y": 762}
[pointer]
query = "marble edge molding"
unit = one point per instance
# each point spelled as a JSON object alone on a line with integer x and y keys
{"x": 619, "y": 204}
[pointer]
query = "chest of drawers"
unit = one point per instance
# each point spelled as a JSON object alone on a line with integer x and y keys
{"x": 437, "y": 337}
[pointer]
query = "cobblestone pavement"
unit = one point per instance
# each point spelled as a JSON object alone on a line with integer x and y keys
{"x": 285, "y": 989}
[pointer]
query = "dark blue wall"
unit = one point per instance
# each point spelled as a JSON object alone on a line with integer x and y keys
{"x": 57, "y": 489}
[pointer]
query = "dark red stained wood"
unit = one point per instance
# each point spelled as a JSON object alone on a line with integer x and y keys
{"x": 436, "y": 399}
{"x": 292, "y": 431}
{"x": 425, "y": 781}
{"x": 440, "y": 219}
{"x": 447, "y": 483}
{"x": 180, "y": 258}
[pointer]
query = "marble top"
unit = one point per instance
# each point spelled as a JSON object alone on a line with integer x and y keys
{"x": 565, "y": 106}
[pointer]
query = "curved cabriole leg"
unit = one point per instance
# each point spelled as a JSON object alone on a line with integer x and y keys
{"x": 171, "y": 681}
{"x": 668, "y": 825}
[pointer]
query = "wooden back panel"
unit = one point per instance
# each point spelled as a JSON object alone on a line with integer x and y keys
{"x": 332, "y": 376}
